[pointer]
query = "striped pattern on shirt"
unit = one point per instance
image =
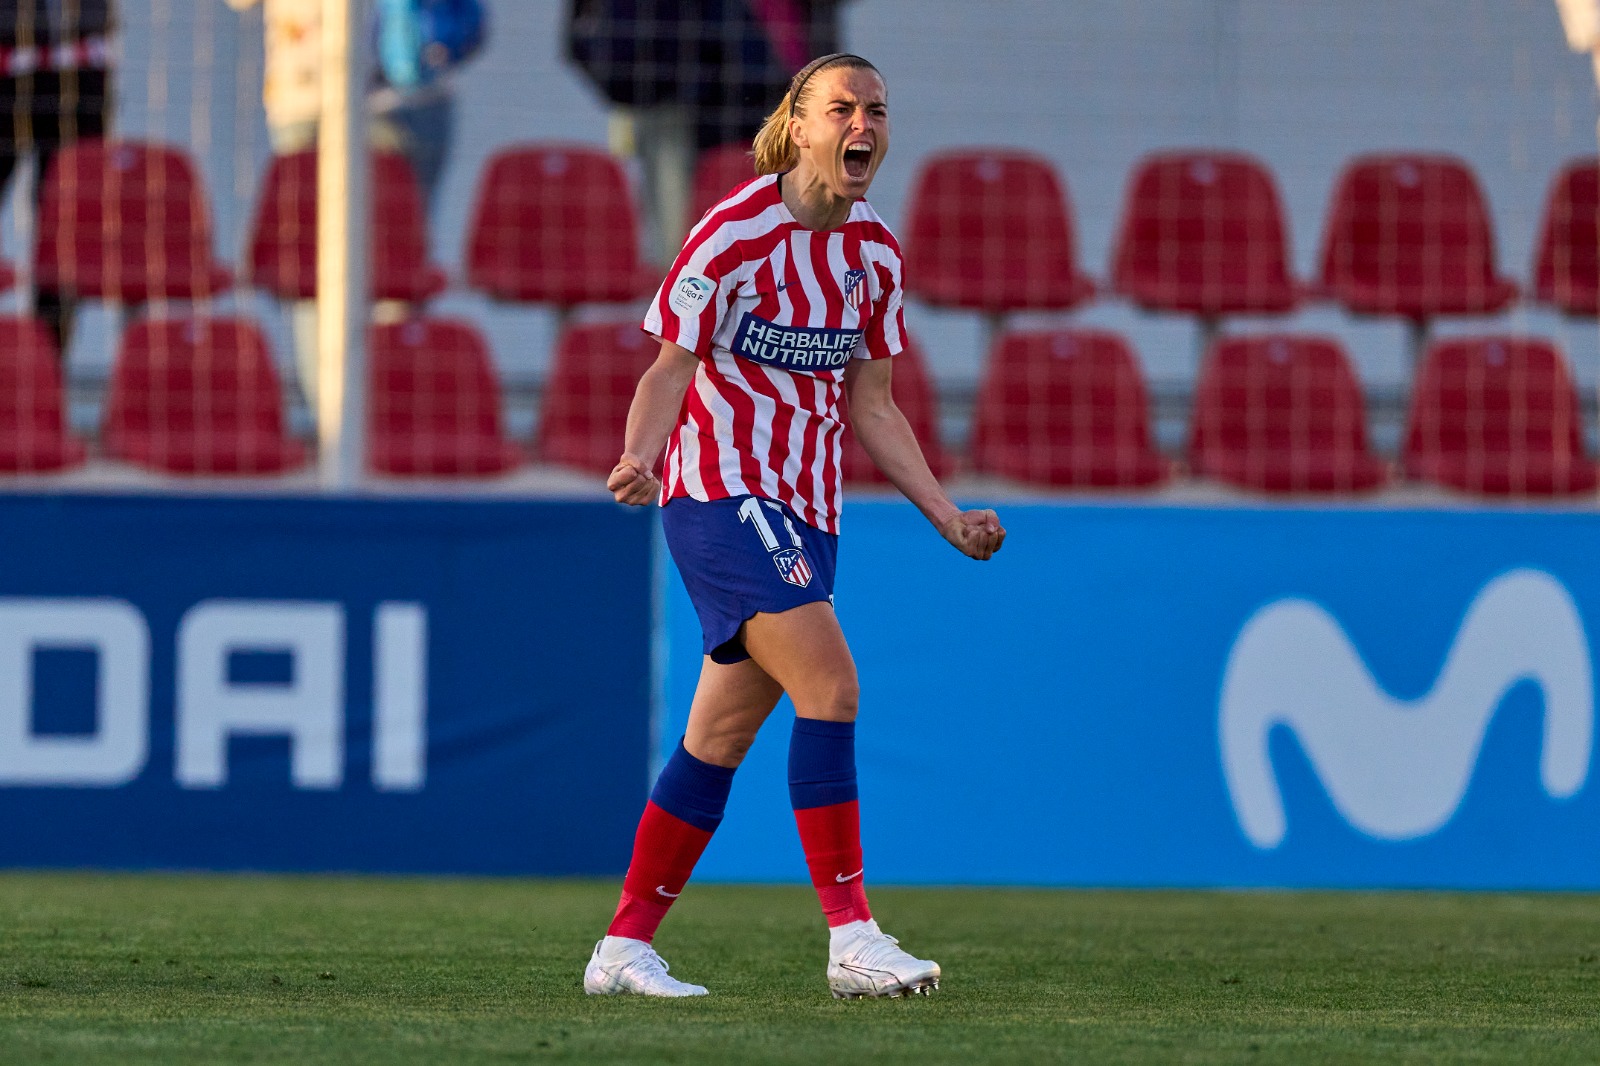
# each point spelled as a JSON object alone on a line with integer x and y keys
{"x": 775, "y": 312}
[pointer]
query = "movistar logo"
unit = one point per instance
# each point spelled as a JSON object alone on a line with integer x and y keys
{"x": 1398, "y": 769}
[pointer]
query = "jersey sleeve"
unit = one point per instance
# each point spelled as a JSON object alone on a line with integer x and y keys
{"x": 886, "y": 330}
{"x": 696, "y": 294}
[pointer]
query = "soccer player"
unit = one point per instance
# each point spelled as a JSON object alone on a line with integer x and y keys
{"x": 785, "y": 302}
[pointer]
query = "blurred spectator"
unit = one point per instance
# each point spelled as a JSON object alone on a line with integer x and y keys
{"x": 55, "y": 66}
{"x": 418, "y": 42}
{"x": 687, "y": 75}
{"x": 291, "y": 83}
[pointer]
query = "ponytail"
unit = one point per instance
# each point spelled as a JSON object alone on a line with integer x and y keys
{"x": 774, "y": 148}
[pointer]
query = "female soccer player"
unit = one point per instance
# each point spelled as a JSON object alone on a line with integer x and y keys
{"x": 785, "y": 301}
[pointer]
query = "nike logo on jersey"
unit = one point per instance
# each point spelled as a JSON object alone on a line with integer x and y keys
{"x": 781, "y": 286}
{"x": 842, "y": 878}
{"x": 662, "y": 890}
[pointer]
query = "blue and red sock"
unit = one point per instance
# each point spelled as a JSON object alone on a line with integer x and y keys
{"x": 684, "y": 809}
{"x": 822, "y": 790}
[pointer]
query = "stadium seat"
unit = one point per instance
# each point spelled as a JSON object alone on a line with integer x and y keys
{"x": 1066, "y": 408}
{"x": 718, "y": 172}
{"x": 126, "y": 221}
{"x": 585, "y": 408}
{"x": 555, "y": 224}
{"x": 198, "y": 396}
{"x": 991, "y": 231}
{"x": 1203, "y": 233}
{"x": 1566, "y": 269}
{"x": 281, "y": 256}
{"x": 1410, "y": 235}
{"x": 33, "y": 420}
{"x": 435, "y": 402}
{"x": 1282, "y": 414}
{"x": 1498, "y": 416}
{"x": 914, "y": 394}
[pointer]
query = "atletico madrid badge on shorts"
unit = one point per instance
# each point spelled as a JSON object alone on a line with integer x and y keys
{"x": 854, "y": 291}
{"x": 792, "y": 567}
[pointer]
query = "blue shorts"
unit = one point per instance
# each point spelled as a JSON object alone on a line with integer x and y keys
{"x": 745, "y": 555}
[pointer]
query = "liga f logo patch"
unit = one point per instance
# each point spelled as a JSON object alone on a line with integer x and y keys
{"x": 691, "y": 293}
{"x": 792, "y": 567}
{"x": 854, "y": 292}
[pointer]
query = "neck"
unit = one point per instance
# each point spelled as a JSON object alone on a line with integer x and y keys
{"x": 811, "y": 202}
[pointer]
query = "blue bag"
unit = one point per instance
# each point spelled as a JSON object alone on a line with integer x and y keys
{"x": 418, "y": 40}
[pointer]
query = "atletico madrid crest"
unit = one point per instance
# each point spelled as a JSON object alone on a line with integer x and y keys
{"x": 792, "y": 567}
{"x": 854, "y": 291}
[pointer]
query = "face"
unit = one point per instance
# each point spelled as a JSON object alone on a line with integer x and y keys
{"x": 844, "y": 133}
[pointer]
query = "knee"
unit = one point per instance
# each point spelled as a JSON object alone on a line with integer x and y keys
{"x": 836, "y": 701}
{"x": 724, "y": 747}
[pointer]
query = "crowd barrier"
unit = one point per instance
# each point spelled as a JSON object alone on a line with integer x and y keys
{"x": 303, "y": 684}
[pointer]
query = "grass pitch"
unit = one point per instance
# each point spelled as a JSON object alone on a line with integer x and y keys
{"x": 168, "y": 969}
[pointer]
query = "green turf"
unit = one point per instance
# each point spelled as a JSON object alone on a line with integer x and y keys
{"x": 102, "y": 969}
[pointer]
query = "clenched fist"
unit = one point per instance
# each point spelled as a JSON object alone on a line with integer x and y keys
{"x": 977, "y": 534}
{"x": 632, "y": 482}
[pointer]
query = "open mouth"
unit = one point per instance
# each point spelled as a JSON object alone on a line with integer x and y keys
{"x": 857, "y": 159}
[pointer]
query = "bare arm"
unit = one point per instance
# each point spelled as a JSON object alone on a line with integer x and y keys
{"x": 888, "y": 440}
{"x": 651, "y": 416}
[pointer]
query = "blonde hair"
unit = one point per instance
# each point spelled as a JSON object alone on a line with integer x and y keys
{"x": 774, "y": 148}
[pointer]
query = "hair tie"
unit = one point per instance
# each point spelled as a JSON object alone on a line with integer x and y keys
{"x": 811, "y": 68}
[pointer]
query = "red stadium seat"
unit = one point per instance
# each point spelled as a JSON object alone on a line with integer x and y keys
{"x": 33, "y": 421}
{"x": 1566, "y": 269}
{"x": 586, "y": 400}
{"x": 126, "y": 221}
{"x": 1498, "y": 416}
{"x": 718, "y": 172}
{"x": 435, "y": 402}
{"x": 198, "y": 396}
{"x": 281, "y": 256}
{"x": 1282, "y": 414}
{"x": 1066, "y": 408}
{"x": 917, "y": 399}
{"x": 1203, "y": 232}
{"x": 991, "y": 231}
{"x": 555, "y": 224}
{"x": 1410, "y": 235}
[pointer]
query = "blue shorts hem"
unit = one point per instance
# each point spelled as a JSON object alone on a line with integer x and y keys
{"x": 734, "y": 569}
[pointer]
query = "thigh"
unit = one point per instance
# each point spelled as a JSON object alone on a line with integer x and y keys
{"x": 804, "y": 651}
{"x": 731, "y": 702}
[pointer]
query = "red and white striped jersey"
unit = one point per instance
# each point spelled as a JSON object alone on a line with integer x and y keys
{"x": 775, "y": 312}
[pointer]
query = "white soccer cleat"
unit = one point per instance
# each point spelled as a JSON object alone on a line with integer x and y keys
{"x": 621, "y": 966}
{"x": 865, "y": 961}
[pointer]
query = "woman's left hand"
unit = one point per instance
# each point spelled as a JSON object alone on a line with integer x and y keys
{"x": 977, "y": 534}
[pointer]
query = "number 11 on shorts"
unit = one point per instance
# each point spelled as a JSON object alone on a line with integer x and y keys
{"x": 752, "y": 512}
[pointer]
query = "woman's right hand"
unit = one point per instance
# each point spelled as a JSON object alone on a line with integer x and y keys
{"x": 632, "y": 482}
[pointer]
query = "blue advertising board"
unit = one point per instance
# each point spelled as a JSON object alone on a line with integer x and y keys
{"x": 304, "y": 684}
{"x": 1158, "y": 695}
